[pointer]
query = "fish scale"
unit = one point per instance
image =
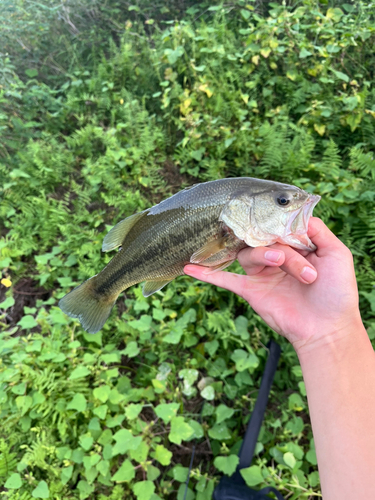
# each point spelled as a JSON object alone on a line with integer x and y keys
{"x": 148, "y": 255}
{"x": 207, "y": 224}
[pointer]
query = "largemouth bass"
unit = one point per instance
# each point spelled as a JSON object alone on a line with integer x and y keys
{"x": 206, "y": 224}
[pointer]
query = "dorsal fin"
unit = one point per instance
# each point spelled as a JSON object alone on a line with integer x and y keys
{"x": 117, "y": 234}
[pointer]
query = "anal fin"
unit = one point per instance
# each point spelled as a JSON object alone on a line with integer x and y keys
{"x": 117, "y": 234}
{"x": 150, "y": 287}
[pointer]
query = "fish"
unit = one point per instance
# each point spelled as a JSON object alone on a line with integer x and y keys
{"x": 206, "y": 224}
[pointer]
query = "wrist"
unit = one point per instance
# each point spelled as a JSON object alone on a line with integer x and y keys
{"x": 334, "y": 343}
{"x": 339, "y": 374}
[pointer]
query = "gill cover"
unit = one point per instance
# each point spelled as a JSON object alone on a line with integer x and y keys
{"x": 238, "y": 215}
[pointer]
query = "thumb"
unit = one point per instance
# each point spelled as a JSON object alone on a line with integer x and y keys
{"x": 326, "y": 242}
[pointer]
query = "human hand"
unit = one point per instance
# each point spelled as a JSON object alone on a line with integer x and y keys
{"x": 310, "y": 298}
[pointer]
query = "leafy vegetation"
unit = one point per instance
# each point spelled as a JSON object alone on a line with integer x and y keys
{"x": 145, "y": 101}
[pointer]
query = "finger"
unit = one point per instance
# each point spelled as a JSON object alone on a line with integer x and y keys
{"x": 230, "y": 281}
{"x": 297, "y": 265}
{"x": 254, "y": 260}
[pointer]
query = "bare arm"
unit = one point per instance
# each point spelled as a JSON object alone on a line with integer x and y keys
{"x": 312, "y": 300}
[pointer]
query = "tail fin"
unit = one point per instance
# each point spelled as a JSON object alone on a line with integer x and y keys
{"x": 82, "y": 303}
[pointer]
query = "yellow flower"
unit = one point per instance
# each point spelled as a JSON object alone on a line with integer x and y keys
{"x": 6, "y": 282}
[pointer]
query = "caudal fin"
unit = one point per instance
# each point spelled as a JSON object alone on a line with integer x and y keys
{"x": 82, "y": 303}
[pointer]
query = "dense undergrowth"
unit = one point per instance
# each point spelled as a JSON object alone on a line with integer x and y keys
{"x": 175, "y": 96}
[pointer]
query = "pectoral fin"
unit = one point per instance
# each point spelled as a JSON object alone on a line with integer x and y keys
{"x": 150, "y": 287}
{"x": 117, "y": 234}
{"x": 209, "y": 249}
{"x": 218, "y": 267}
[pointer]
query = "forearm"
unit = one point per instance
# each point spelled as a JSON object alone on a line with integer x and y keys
{"x": 340, "y": 385}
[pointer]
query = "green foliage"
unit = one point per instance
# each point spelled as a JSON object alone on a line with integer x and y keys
{"x": 8, "y": 462}
{"x": 149, "y": 102}
{"x": 227, "y": 465}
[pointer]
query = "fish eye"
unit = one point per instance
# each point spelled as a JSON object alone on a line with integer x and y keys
{"x": 283, "y": 201}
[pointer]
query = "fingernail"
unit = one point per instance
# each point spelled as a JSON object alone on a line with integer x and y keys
{"x": 309, "y": 274}
{"x": 272, "y": 256}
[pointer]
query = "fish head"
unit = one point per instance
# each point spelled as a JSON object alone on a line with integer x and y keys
{"x": 282, "y": 215}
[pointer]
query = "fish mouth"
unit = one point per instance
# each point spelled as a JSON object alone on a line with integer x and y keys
{"x": 298, "y": 223}
{"x": 311, "y": 203}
